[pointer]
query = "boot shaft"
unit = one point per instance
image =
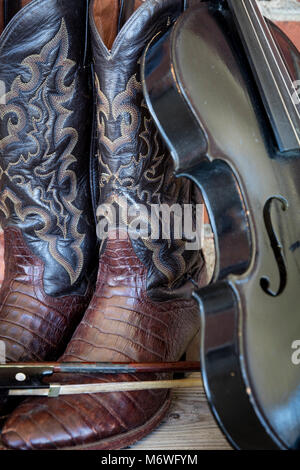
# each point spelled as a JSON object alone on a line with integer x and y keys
{"x": 130, "y": 153}
{"x": 45, "y": 132}
{"x": 134, "y": 165}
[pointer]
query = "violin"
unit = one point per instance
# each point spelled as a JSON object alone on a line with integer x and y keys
{"x": 224, "y": 100}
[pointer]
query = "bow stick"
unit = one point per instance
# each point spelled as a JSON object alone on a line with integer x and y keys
{"x": 27, "y": 379}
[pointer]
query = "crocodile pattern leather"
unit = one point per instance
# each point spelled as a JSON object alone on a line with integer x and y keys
{"x": 123, "y": 322}
{"x": 32, "y": 324}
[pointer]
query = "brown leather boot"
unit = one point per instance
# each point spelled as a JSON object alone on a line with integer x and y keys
{"x": 45, "y": 202}
{"x": 142, "y": 310}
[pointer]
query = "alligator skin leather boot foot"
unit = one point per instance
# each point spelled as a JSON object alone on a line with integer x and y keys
{"x": 142, "y": 310}
{"x": 45, "y": 202}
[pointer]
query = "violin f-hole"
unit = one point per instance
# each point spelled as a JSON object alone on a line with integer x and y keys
{"x": 276, "y": 247}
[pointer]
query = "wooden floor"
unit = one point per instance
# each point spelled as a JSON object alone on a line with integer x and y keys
{"x": 189, "y": 425}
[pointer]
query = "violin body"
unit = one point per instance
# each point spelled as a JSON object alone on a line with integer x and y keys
{"x": 204, "y": 98}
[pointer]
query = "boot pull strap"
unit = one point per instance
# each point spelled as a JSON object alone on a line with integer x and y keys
{"x": 126, "y": 8}
{"x": 189, "y": 3}
{"x": 86, "y": 61}
{"x": 10, "y": 7}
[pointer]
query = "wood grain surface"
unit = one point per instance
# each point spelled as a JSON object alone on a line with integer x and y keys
{"x": 189, "y": 425}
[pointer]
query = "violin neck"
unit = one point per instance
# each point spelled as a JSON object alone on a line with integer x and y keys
{"x": 273, "y": 78}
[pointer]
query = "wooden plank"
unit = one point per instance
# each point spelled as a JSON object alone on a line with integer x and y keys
{"x": 189, "y": 425}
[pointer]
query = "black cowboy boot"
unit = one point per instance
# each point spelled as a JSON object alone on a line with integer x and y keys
{"x": 142, "y": 308}
{"x": 45, "y": 203}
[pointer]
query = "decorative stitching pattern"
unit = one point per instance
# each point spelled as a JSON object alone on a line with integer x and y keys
{"x": 48, "y": 145}
{"x": 125, "y": 115}
{"x": 145, "y": 174}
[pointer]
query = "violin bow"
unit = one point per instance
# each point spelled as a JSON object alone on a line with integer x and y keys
{"x": 26, "y": 379}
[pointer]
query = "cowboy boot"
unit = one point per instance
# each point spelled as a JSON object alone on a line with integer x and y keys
{"x": 45, "y": 201}
{"x": 142, "y": 310}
